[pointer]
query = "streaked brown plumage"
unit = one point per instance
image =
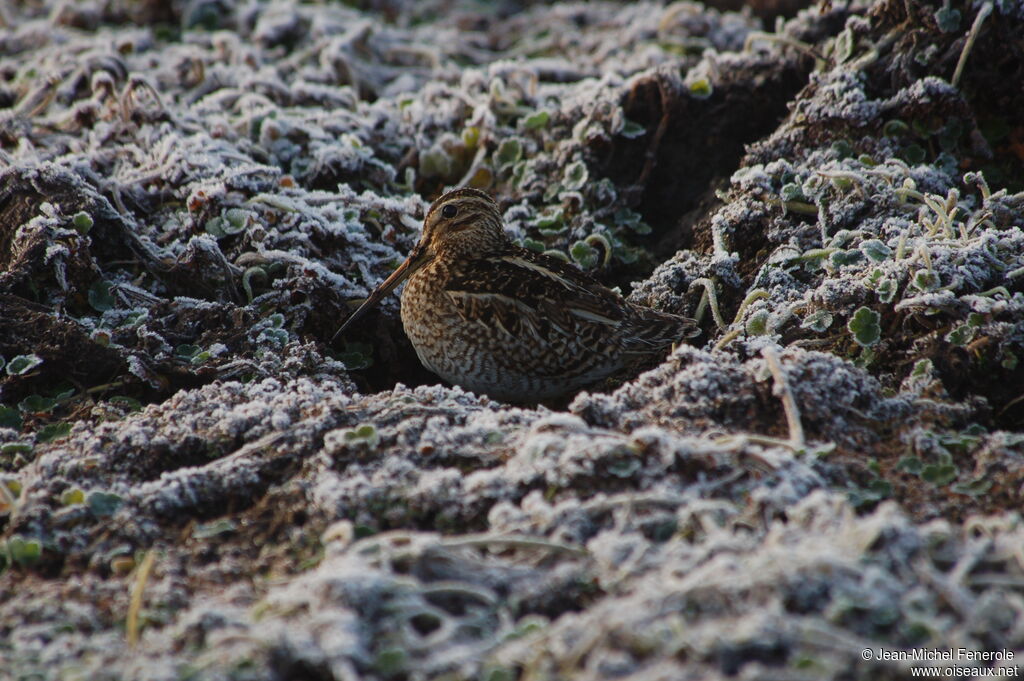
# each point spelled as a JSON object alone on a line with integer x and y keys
{"x": 501, "y": 320}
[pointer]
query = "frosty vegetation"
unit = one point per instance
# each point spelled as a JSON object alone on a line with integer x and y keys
{"x": 196, "y": 483}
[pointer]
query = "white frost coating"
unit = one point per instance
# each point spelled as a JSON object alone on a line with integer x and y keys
{"x": 663, "y": 529}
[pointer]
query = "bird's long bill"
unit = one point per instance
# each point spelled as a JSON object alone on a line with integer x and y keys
{"x": 417, "y": 258}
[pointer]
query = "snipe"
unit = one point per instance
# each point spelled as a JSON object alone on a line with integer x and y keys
{"x": 501, "y": 320}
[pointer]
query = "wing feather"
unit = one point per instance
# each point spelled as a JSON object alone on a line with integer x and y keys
{"x": 526, "y": 293}
{"x": 521, "y": 293}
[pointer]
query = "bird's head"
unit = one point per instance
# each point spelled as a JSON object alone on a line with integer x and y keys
{"x": 462, "y": 221}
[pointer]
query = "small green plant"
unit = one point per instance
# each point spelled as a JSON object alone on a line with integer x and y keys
{"x": 536, "y": 120}
{"x": 124, "y": 402}
{"x": 24, "y": 552}
{"x": 82, "y": 222}
{"x": 497, "y": 673}
{"x": 961, "y": 335}
{"x": 875, "y": 250}
{"x": 230, "y": 222}
{"x": 895, "y": 128}
{"x": 363, "y": 435}
{"x": 103, "y": 504}
{"x": 844, "y": 44}
{"x": 187, "y": 351}
{"x": 876, "y": 490}
{"x": 100, "y": 296}
{"x": 940, "y": 473}
{"x": 632, "y": 220}
{"x": 632, "y": 130}
{"x": 10, "y": 418}
{"x": 214, "y": 528}
{"x": 551, "y": 221}
{"x": 842, "y": 258}
{"x": 925, "y": 280}
{"x": 973, "y": 488}
{"x": 22, "y": 364}
{"x": 575, "y": 176}
{"x": 701, "y": 88}
{"x": 818, "y": 321}
{"x": 947, "y": 19}
{"x": 53, "y": 431}
{"x": 40, "y": 404}
{"x": 356, "y": 356}
{"x": 865, "y": 327}
{"x": 757, "y": 323}
{"x": 273, "y": 330}
{"x": 583, "y": 254}
{"x": 886, "y": 290}
{"x": 508, "y": 153}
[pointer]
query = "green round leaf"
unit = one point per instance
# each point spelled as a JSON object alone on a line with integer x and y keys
{"x": 910, "y": 464}
{"x": 701, "y": 88}
{"x": 886, "y": 290}
{"x": 961, "y": 335}
{"x": 844, "y": 46}
{"x": 576, "y": 175}
{"x": 875, "y": 250}
{"x": 129, "y": 403}
{"x": 584, "y": 255}
{"x": 364, "y": 435}
{"x": 842, "y": 258}
{"x": 509, "y": 151}
{"x": 82, "y": 222}
{"x": 24, "y": 551}
{"x": 536, "y": 120}
{"x": 22, "y": 364}
{"x": 471, "y": 137}
{"x": 865, "y": 327}
{"x": 895, "y": 128}
{"x": 215, "y": 227}
{"x": 435, "y": 162}
{"x": 214, "y": 528}
{"x": 275, "y": 336}
{"x": 550, "y": 220}
{"x": 913, "y": 154}
{"x": 201, "y": 357}
{"x": 842, "y": 148}
{"x": 37, "y": 404}
{"x": 533, "y": 245}
{"x": 53, "y": 431}
{"x": 792, "y": 192}
{"x": 390, "y": 662}
{"x": 757, "y": 323}
{"x": 187, "y": 351}
{"x": 925, "y": 280}
{"x": 100, "y": 296}
{"x": 817, "y": 321}
{"x": 235, "y": 220}
{"x": 10, "y": 418}
{"x": 632, "y": 130}
{"x": 948, "y": 19}
{"x": 939, "y": 474}
{"x": 103, "y": 504}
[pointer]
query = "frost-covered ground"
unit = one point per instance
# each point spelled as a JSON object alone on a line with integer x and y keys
{"x": 196, "y": 484}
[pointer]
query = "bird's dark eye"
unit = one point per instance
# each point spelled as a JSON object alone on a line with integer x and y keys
{"x": 449, "y": 211}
